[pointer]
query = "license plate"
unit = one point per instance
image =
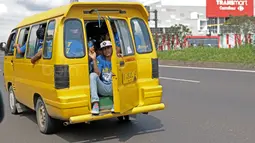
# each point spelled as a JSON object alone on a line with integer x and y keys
{"x": 129, "y": 77}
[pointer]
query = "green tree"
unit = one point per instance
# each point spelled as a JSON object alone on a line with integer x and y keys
{"x": 179, "y": 30}
{"x": 239, "y": 25}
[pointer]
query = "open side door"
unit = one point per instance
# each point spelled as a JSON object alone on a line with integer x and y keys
{"x": 125, "y": 90}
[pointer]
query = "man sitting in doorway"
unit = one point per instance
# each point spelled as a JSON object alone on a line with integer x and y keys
{"x": 116, "y": 38}
{"x": 101, "y": 78}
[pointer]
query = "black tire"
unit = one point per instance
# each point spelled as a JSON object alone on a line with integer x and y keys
{"x": 12, "y": 101}
{"x": 121, "y": 118}
{"x": 47, "y": 125}
{"x": 126, "y": 118}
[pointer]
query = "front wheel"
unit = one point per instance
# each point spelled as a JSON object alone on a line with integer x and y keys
{"x": 47, "y": 125}
{"x": 12, "y": 101}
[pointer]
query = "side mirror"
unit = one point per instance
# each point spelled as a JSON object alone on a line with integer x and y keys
{"x": 3, "y": 46}
{"x": 1, "y": 108}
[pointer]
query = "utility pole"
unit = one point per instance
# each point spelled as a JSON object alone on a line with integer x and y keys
{"x": 156, "y": 22}
{"x": 156, "y": 18}
{"x": 74, "y": 1}
{"x": 156, "y": 27}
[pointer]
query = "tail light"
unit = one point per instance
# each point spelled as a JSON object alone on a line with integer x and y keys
{"x": 61, "y": 76}
{"x": 155, "y": 68}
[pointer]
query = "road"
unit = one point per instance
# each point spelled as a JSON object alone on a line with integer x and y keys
{"x": 202, "y": 106}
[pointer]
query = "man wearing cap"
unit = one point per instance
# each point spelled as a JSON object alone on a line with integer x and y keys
{"x": 101, "y": 78}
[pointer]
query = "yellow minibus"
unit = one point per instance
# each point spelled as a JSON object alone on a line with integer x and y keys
{"x": 46, "y": 70}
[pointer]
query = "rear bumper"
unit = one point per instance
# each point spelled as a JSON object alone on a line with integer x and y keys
{"x": 136, "y": 110}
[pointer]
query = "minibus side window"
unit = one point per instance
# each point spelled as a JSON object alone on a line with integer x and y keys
{"x": 23, "y": 36}
{"x": 47, "y": 51}
{"x": 31, "y": 46}
{"x": 35, "y": 43}
{"x": 124, "y": 36}
{"x": 73, "y": 39}
{"x": 141, "y": 36}
{"x": 10, "y": 44}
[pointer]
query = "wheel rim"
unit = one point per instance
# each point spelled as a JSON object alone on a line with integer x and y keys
{"x": 42, "y": 116}
{"x": 12, "y": 102}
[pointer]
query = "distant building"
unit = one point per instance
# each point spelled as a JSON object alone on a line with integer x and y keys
{"x": 192, "y": 16}
{"x": 200, "y": 19}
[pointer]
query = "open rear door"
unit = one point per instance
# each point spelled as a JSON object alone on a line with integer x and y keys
{"x": 125, "y": 90}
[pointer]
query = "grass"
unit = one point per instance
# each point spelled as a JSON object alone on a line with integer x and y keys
{"x": 245, "y": 55}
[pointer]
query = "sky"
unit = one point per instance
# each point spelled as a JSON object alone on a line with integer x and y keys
{"x": 13, "y": 11}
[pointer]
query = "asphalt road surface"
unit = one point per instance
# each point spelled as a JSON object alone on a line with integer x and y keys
{"x": 202, "y": 106}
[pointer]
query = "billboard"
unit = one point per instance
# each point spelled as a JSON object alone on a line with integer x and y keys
{"x": 225, "y": 8}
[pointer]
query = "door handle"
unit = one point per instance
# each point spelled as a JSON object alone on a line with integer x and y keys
{"x": 12, "y": 62}
{"x": 122, "y": 63}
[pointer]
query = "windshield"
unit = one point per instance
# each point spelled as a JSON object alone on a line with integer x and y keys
{"x": 141, "y": 36}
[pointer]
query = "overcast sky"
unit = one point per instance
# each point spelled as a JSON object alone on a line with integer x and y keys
{"x": 13, "y": 11}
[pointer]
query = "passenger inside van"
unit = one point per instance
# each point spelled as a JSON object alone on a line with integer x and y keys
{"x": 91, "y": 49}
{"x": 138, "y": 42}
{"x": 137, "y": 31}
{"x": 20, "y": 50}
{"x": 73, "y": 43}
{"x": 11, "y": 50}
{"x": 40, "y": 36}
{"x": 116, "y": 38}
{"x": 95, "y": 35}
{"x": 101, "y": 78}
{"x": 100, "y": 61}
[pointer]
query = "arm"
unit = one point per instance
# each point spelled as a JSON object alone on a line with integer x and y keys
{"x": 96, "y": 68}
{"x": 20, "y": 50}
{"x": 118, "y": 51}
{"x": 37, "y": 56}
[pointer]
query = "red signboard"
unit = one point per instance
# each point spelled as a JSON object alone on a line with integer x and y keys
{"x": 225, "y": 8}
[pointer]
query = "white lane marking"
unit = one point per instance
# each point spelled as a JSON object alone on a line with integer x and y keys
{"x": 212, "y": 69}
{"x": 177, "y": 79}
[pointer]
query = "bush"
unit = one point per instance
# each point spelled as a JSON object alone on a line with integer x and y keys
{"x": 245, "y": 54}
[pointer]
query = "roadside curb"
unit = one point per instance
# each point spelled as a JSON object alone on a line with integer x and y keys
{"x": 208, "y": 64}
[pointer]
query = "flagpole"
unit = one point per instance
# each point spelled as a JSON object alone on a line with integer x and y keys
{"x": 74, "y": 1}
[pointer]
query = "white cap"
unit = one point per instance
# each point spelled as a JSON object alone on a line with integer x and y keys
{"x": 105, "y": 44}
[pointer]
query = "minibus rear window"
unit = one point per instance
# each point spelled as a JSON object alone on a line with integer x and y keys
{"x": 141, "y": 36}
{"x": 73, "y": 39}
{"x": 125, "y": 40}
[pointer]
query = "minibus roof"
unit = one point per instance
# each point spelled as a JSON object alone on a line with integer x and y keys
{"x": 63, "y": 11}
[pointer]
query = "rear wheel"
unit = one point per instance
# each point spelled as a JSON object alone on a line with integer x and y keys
{"x": 121, "y": 118}
{"x": 47, "y": 125}
{"x": 12, "y": 101}
{"x": 124, "y": 118}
